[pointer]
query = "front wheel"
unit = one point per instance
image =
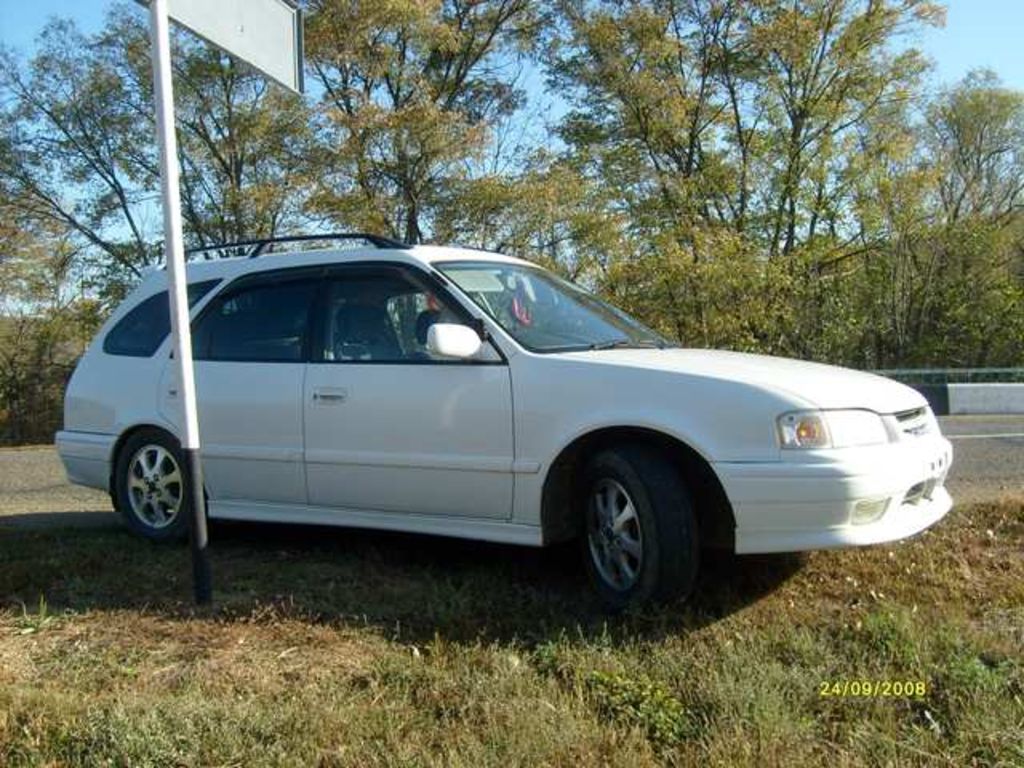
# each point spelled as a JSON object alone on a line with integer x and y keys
{"x": 151, "y": 486}
{"x": 640, "y": 534}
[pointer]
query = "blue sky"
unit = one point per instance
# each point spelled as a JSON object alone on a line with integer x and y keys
{"x": 978, "y": 33}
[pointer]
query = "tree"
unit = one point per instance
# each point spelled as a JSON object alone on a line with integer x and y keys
{"x": 410, "y": 90}
{"x": 76, "y": 154}
{"x": 944, "y": 282}
{"x": 79, "y": 144}
{"x": 975, "y": 133}
{"x": 44, "y": 325}
{"x": 829, "y": 65}
{"x": 712, "y": 119}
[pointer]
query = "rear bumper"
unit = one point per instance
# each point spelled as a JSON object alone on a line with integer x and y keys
{"x": 849, "y": 498}
{"x": 86, "y": 457}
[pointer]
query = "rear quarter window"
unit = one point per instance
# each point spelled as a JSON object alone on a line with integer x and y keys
{"x": 140, "y": 332}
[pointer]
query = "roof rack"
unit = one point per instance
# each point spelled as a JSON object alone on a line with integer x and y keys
{"x": 253, "y": 248}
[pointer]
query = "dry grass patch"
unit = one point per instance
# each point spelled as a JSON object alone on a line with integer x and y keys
{"x": 348, "y": 648}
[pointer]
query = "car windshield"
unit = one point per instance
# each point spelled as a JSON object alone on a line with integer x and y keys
{"x": 545, "y": 313}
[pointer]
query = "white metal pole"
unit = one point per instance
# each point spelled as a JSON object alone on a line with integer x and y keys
{"x": 181, "y": 333}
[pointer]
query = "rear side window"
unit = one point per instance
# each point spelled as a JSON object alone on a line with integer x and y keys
{"x": 141, "y": 331}
{"x": 267, "y": 322}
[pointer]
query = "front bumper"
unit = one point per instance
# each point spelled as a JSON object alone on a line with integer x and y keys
{"x": 831, "y": 499}
{"x": 86, "y": 457}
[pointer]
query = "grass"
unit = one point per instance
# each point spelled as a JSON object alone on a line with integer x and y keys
{"x": 353, "y": 648}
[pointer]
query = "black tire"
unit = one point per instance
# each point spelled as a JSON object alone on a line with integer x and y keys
{"x": 144, "y": 516}
{"x": 665, "y": 526}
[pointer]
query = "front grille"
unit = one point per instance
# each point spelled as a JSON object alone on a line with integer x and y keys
{"x": 912, "y": 414}
{"x": 914, "y": 422}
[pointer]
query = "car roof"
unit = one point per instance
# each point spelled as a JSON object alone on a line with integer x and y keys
{"x": 417, "y": 255}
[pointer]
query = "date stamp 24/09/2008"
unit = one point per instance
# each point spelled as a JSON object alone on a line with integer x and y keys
{"x": 905, "y": 689}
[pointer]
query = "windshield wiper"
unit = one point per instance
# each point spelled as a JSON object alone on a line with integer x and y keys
{"x": 626, "y": 344}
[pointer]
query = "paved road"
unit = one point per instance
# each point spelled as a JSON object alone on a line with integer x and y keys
{"x": 35, "y": 492}
{"x": 988, "y": 456}
{"x": 988, "y": 464}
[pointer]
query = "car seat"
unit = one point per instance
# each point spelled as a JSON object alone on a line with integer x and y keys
{"x": 364, "y": 332}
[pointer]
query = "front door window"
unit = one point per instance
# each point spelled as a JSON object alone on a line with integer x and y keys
{"x": 380, "y": 318}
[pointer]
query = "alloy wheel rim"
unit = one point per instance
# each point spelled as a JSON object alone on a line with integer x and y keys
{"x": 614, "y": 535}
{"x": 154, "y": 486}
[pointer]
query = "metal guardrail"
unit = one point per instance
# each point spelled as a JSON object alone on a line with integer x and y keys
{"x": 954, "y": 375}
{"x": 965, "y": 390}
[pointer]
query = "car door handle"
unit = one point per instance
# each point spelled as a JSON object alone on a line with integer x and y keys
{"x": 330, "y": 395}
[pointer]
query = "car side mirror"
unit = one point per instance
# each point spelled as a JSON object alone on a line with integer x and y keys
{"x": 452, "y": 340}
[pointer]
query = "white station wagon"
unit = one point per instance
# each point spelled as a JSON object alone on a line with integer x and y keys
{"x": 463, "y": 393}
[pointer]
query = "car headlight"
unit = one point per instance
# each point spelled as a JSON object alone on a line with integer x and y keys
{"x": 831, "y": 429}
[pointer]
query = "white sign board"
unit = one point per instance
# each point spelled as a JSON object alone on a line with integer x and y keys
{"x": 266, "y": 34}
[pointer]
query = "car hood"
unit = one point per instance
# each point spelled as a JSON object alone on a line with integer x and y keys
{"x": 817, "y": 385}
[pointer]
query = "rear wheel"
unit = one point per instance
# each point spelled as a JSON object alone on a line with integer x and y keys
{"x": 151, "y": 486}
{"x": 640, "y": 533}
